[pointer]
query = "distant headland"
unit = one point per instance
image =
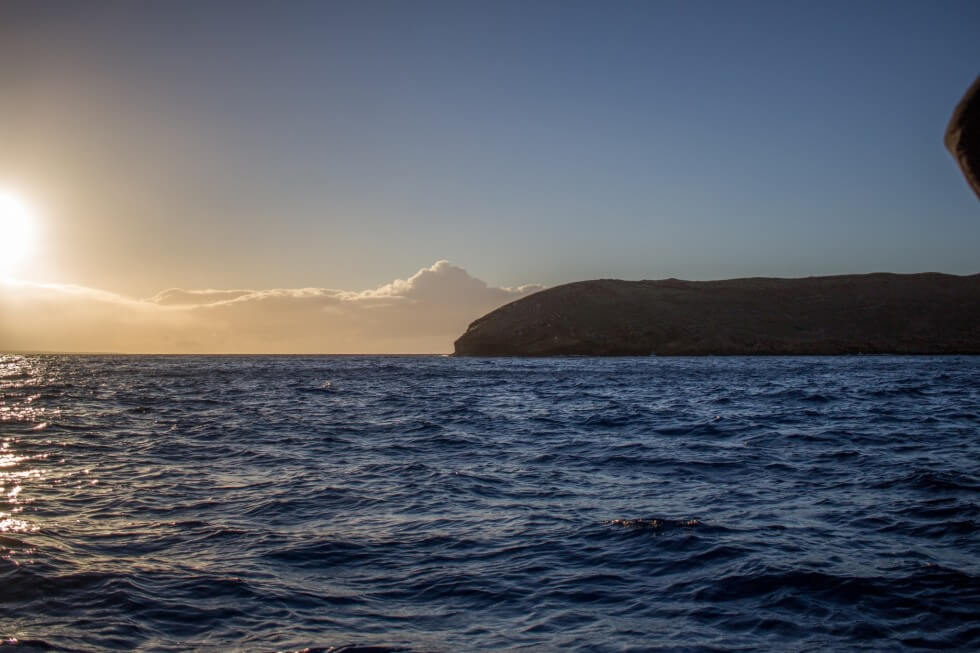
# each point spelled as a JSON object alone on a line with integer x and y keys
{"x": 878, "y": 313}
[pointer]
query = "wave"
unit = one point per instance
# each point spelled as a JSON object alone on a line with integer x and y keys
{"x": 456, "y": 504}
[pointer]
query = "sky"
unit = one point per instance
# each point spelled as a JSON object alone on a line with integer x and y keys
{"x": 349, "y": 147}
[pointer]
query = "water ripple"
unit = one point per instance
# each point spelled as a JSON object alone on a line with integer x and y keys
{"x": 380, "y": 504}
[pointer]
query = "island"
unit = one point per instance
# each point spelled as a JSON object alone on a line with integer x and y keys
{"x": 880, "y": 313}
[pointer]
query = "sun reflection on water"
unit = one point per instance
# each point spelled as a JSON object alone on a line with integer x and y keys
{"x": 17, "y": 409}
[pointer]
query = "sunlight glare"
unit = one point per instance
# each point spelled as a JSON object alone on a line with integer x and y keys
{"x": 16, "y": 231}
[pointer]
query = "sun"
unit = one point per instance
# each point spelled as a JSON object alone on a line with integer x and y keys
{"x": 16, "y": 231}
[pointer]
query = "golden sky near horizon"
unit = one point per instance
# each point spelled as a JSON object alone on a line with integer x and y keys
{"x": 421, "y": 313}
{"x": 424, "y": 313}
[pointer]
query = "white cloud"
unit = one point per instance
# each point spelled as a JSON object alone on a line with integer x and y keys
{"x": 421, "y": 314}
{"x": 179, "y": 296}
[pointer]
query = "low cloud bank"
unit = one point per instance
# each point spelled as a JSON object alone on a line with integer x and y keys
{"x": 421, "y": 314}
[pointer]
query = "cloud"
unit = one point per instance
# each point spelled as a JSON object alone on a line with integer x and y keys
{"x": 181, "y": 297}
{"x": 445, "y": 281}
{"x": 421, "y": 314}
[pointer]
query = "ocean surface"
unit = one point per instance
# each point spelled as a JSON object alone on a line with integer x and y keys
{"x": 441, "y": 504}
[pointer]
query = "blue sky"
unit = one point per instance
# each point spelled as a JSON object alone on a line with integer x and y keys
{"x": 344, "y": 144}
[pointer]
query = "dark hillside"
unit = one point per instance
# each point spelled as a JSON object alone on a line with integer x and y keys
{"x": 873, "y": 313}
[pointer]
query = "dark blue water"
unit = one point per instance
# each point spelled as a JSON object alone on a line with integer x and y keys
{"x": 440, "y": 504}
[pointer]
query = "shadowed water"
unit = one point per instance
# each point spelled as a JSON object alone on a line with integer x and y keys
{"x": 441, "y": 504}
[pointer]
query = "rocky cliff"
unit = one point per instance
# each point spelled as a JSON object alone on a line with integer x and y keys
{"x": 872, "y": 313}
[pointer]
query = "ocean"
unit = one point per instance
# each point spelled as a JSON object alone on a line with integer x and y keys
{"x": 453, "y": 504}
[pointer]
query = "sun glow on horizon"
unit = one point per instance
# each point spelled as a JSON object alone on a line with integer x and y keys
{"x": 17, "y": 228}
